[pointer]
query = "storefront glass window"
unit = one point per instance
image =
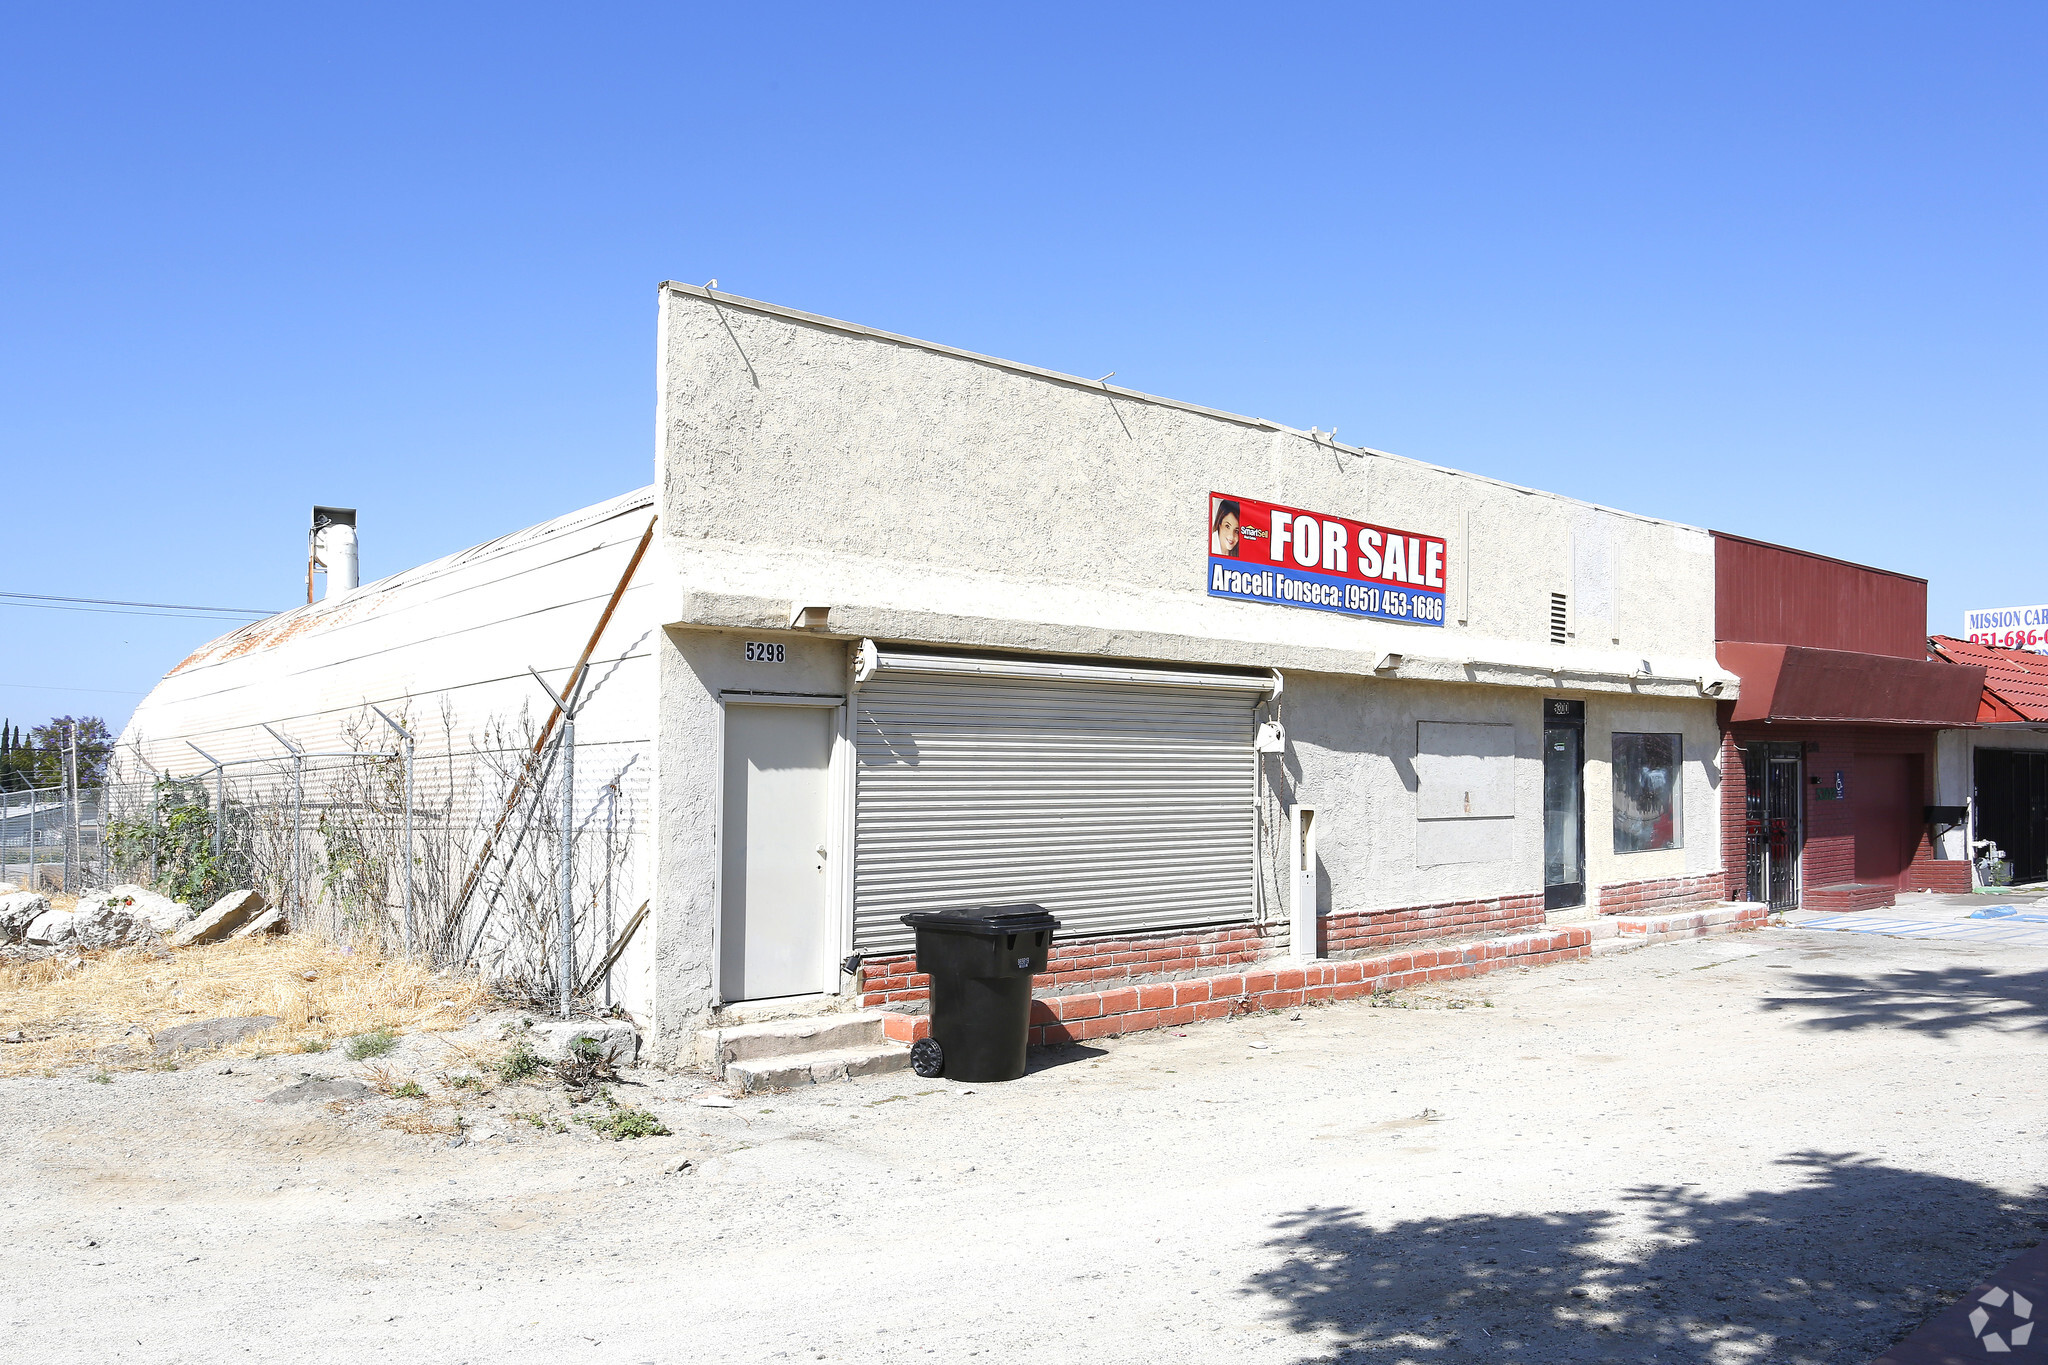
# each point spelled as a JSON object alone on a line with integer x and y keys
{"x": 1646, "y": 795}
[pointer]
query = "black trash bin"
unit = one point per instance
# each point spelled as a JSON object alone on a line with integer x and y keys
{"x": 981, "y": 962}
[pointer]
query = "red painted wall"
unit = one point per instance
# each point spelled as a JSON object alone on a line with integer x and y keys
{"x": 1876, "y": 834}
{"x": 1768, "y": 594}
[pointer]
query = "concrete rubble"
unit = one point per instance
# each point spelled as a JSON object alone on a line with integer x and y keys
{"x": 221, "y": 919}
{"x": 163, "y": 913}
{"x": 271, "y": 921}
{"x": 27, "y": 917}
{"x": 18, "y": 911}
{"x": 615, "y": 1038}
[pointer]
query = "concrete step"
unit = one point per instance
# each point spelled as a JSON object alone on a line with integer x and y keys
{"x": 814, "y": 1068}
{"x": 1620, "y": 933}
{"x": 721, "y": 1048}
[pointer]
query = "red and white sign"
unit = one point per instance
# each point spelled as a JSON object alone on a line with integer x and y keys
{"x": 1268, "y": 552}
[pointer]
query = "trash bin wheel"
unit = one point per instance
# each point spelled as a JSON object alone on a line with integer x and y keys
{"x": 927, "y": 1059}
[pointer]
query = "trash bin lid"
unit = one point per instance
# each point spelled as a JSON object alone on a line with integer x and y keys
{"x": 985, "y": 919}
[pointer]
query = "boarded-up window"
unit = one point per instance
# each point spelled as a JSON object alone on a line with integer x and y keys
{"x": 1465, "y": 792}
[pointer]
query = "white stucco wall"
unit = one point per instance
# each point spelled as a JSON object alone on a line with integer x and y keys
{"x": 924, "y": 494}
{"x": 1352, "y": 745}
{"x": 697, "y": 668}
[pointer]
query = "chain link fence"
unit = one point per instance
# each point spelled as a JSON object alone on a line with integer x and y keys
{"x": 459, "y": 853}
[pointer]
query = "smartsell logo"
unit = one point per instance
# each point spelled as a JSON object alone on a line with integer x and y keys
{"x": 2002, "y": 1343}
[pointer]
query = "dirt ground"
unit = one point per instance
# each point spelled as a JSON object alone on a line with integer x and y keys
{"x": 1786, "y": 1146}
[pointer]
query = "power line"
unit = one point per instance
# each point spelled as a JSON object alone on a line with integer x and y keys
{"x": 122, "y": 611}
{"x": 107, "y": 691}
{"x": 113, "y": 602}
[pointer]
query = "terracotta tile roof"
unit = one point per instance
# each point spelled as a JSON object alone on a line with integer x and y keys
{"x": 2015, "y": 680}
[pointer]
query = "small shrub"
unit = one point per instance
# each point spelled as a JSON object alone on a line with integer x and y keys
{"x": 312, "y": 1045}
{"x": 408, "y": 1090}
{"x": 465, "y": 1082}
{"x": 102, "y": 1078}
{"x": 375, "y": 1043}
{"x": 522, "y": 1061}
{"x": 584, "y": 1069}
{"x": 545, "y": 1122}
{"x": 627, "y": 1122}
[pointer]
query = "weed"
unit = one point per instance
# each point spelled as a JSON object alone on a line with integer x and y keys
{"x": 408, "y": 1090}
{"x": 167, "y": 1064}
{"x": 627, "y": 1122}
{"x": 584, "y": 1068}
{"x": 522, "y": 1061}
{"x": 547, "y": 1123}
{"x": 312, "y": 1045}
{"x": 102, "y": 1078}
{"x": 375, "y": 1043}
{"x": 475, "y": 1083}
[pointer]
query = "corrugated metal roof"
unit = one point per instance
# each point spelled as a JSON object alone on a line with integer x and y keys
{"x": 2015, "y": 678}
{"x": 457, "y": 634}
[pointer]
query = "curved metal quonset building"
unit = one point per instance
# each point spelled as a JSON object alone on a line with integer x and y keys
{"x": 445, "y": 649}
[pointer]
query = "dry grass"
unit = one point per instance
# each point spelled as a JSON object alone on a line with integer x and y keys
{"x": 421, "y": 1123}
{"x": 122, "y": 999}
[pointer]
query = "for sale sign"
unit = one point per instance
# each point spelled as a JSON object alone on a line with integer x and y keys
{"x": 1266, "y": 552}
{"x": 2008, "y": 627}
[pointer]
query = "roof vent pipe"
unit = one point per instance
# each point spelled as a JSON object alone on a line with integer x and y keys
{"x": 332, "y": 547}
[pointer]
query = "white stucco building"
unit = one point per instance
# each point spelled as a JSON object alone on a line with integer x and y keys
{"x": 927, "y": 629}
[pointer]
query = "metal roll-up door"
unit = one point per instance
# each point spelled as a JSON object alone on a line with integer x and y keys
{"x": 1120, "y": 800}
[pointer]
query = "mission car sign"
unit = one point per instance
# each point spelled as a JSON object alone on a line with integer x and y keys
{"x": 1263, "y": 552}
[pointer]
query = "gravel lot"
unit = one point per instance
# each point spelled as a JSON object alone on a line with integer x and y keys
{"x": 1786, "y": 1146}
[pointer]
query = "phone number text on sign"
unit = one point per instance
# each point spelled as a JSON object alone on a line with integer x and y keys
{"x": 1266, "y": 552}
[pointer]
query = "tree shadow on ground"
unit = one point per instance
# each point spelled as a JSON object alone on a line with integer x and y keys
{"x": 1830, "y": 1272}
{"x": 1936, "y": 1001}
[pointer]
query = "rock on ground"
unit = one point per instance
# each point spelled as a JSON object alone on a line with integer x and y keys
{"x": 318, "y": 1088}
{"x": 616, "y": 1038}
{"x": 222, "y": 918}
{"x": 163, "y": 913}
{"x": 211, "y": 1033}
{"x": 271, "y": 921}
{"x": 19, "y": 910}
{"x": 107, "y": 927}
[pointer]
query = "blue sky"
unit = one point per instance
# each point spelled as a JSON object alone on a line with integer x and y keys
{"x": 1773, "y": 269}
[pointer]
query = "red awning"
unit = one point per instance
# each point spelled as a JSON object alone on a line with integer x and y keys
{"x": 1794, "y": 682}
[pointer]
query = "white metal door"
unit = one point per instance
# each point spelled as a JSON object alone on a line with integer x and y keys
{"x": 1119, "y": 805}
{"x": 772, "y": 923}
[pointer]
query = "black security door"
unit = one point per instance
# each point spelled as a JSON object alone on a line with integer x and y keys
{"x": 1773, "y": 826}
{"x": 2012, "y": 808}
{"x": 1564, "y": 804}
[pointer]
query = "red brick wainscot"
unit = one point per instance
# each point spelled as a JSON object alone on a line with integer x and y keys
{"x": 1164, "y": 1004}
{"x": 1082, "y": 964}
{"x": 1671, "y": 893}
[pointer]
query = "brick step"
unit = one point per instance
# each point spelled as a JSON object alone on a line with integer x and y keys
{"x": 1844, "y": 897}
{"x": 719, "y": 1049}
{"x": 814, "y": 1068}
